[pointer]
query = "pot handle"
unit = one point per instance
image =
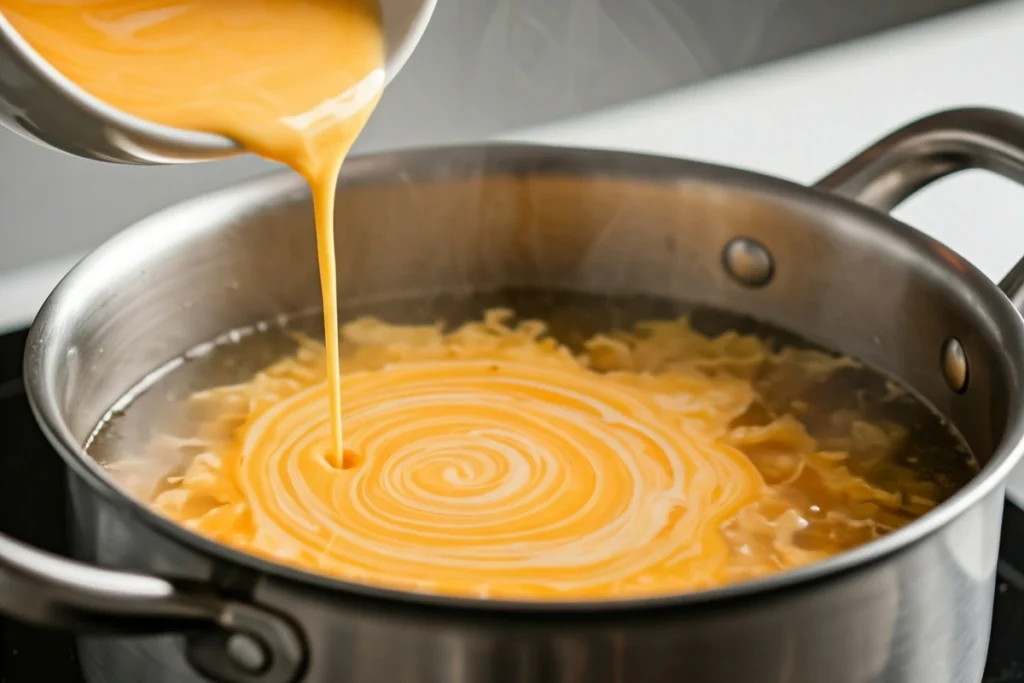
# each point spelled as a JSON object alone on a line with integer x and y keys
{"x": 921, "y": 152}
{"x": 226, "y": 640}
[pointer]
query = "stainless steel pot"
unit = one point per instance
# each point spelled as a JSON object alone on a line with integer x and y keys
{"x": 825, "y": 262}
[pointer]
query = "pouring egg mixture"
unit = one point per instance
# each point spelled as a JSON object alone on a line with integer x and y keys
{"x": 485, "y": 461}
{"x": 294, "y": 81}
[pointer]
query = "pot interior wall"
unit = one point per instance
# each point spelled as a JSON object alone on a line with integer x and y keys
{"x": 495, "y": 218}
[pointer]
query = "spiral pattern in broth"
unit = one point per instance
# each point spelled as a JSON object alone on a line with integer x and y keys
{"x": 493, "y": 462}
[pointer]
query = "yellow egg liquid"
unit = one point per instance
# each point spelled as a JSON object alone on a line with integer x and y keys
{"x": 292, "y": 80}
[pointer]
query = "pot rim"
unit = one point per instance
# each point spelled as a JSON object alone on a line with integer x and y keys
{"x": 279, "y": 184}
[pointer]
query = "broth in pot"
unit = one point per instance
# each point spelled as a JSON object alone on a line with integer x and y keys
{"x": 533, "y": 446}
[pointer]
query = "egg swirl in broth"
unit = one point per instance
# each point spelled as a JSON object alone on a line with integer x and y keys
{"x": 491, "y": 461}
{"x": 496, "y": 472}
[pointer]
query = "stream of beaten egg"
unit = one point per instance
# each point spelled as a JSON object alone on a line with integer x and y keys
{"x": 492, "y": 461}
{"x": 292, "y": 80}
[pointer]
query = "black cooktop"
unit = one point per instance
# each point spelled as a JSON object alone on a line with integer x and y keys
{"x": 32, "y": 479}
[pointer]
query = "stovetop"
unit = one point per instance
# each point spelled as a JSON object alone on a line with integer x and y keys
{"x": 32, "y": 478}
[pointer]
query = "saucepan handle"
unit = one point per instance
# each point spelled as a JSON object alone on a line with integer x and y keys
{"x": 905, "y": 161}
{"x": 227, "y": 641}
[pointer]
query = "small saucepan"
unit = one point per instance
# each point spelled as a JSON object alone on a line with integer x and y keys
{"x": 826, "y": 263}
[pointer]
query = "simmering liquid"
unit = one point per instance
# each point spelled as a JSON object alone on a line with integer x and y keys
{"x": 292, "y": 80}
{"x": 593, "y": 455}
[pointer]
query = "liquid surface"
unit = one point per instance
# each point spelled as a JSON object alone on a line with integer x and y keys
{"x": 292, "y": 80}
{"x": 494, "y": 460}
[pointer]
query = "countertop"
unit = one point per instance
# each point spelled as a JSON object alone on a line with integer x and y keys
{"x": 798, "y": 119}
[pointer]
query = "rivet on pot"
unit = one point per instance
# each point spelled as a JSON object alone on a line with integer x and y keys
{"x": 954, "y": 365}
{"x": 247, "y": 652}
{"x": 748, "y": 262}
